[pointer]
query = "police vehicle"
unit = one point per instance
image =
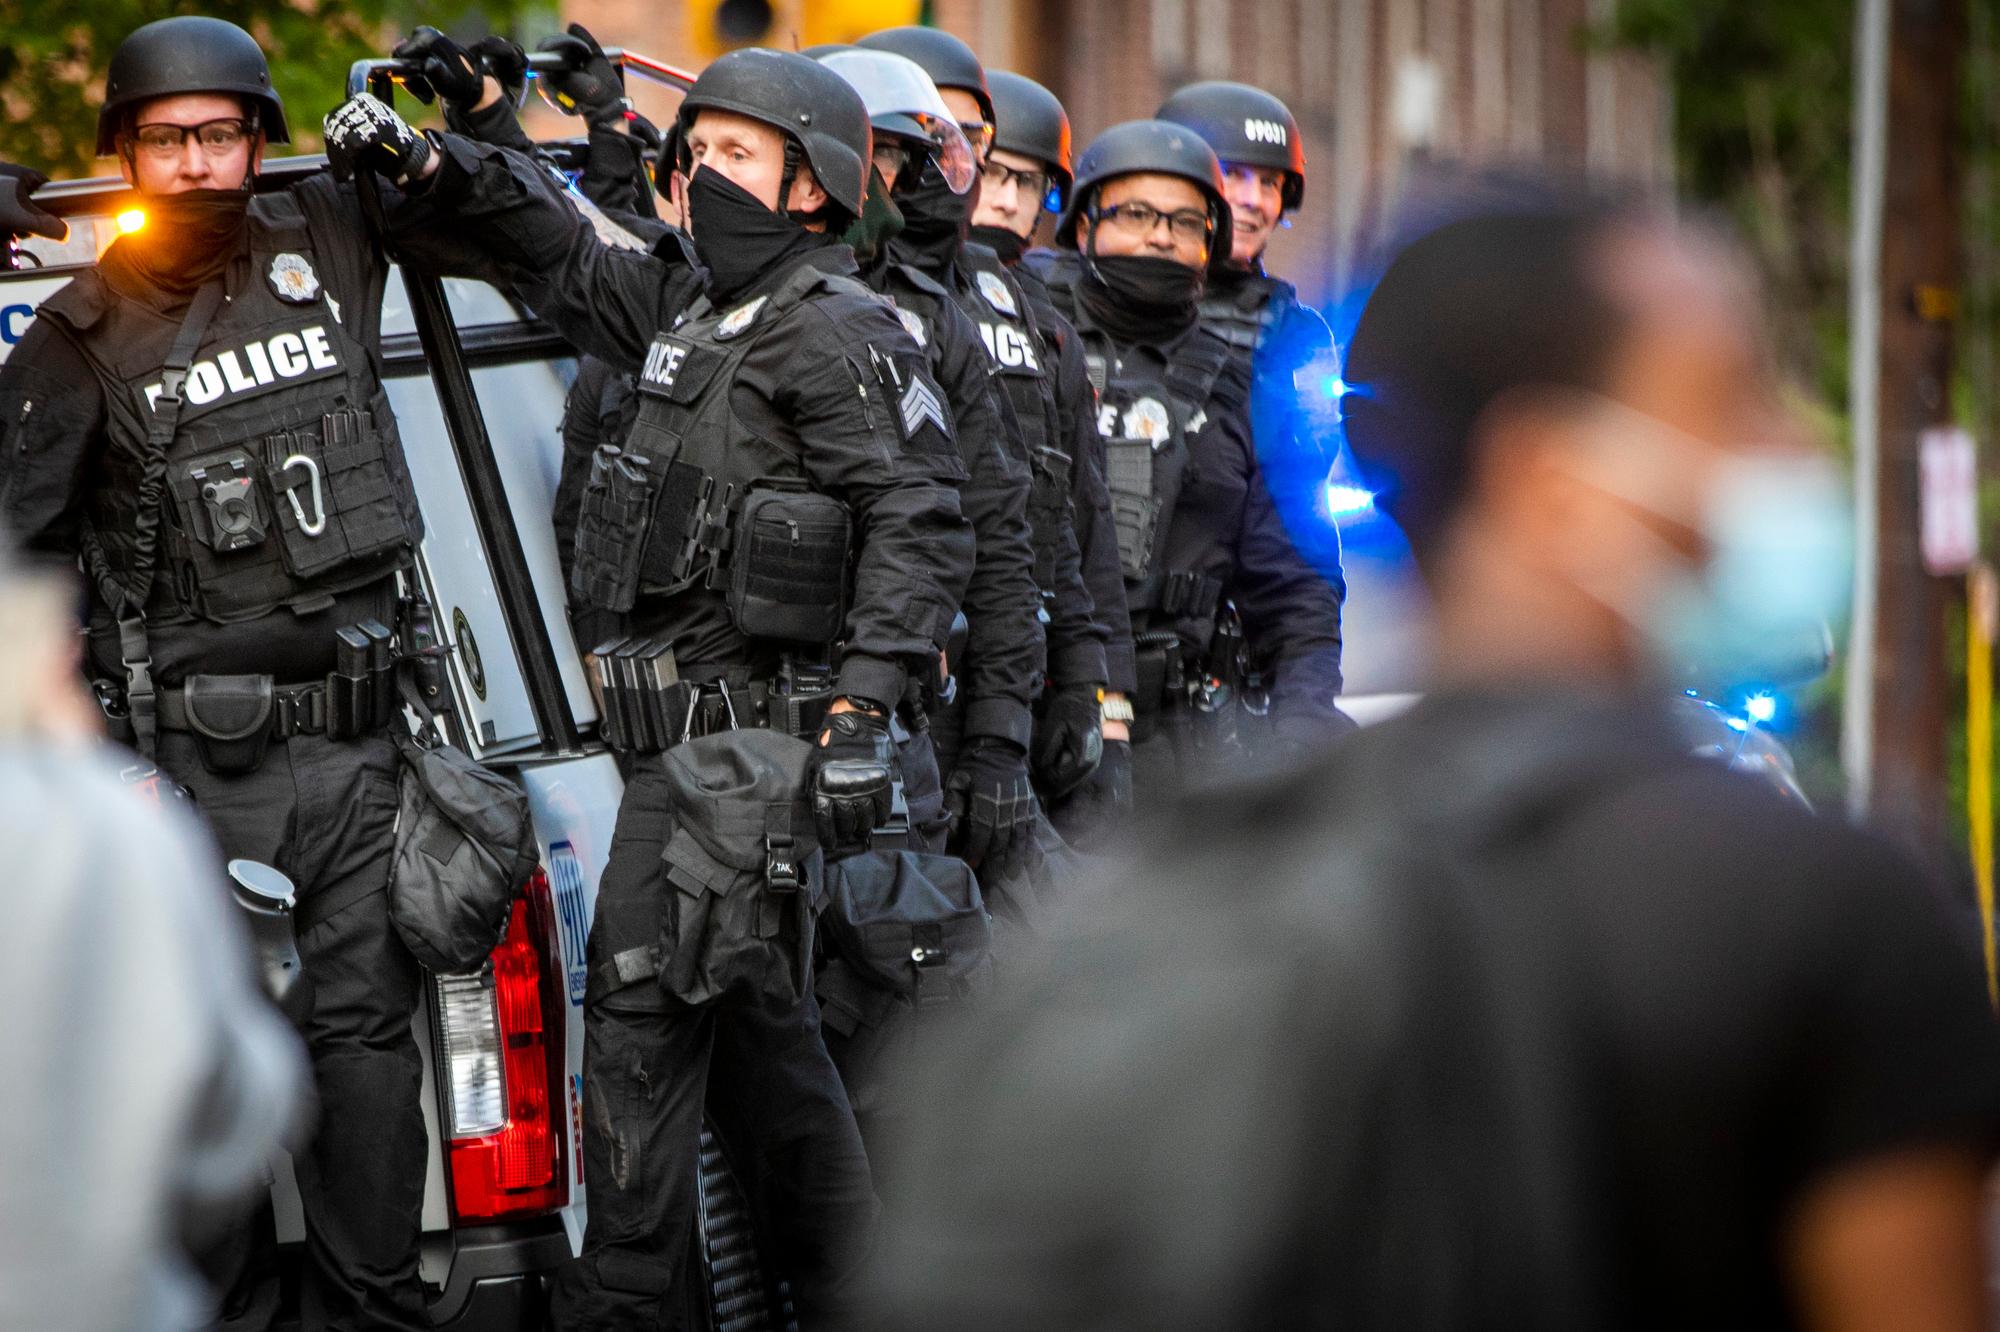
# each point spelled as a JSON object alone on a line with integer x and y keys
{"x": 478, "y": 386}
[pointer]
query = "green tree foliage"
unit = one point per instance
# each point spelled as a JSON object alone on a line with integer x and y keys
{"x": 1763, "y": 110}
{"x": 53, "y": 55}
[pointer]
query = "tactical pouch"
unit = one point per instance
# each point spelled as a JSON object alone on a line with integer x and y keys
{"x": 610, "y": 528}
{"x": 1128, "y": 476}
{"x": 337, "y": 504}
{"x": 230, "y": 719}
{"x": 911, "y": 923}
{"x": 1157, "y": 664}
{"x": 738, "y": 901}
{"x": 1048, "y": 497}
{"x": 788, "y": 572}
{"x": 465, "y": 845}
{"x": 905, "y": 932}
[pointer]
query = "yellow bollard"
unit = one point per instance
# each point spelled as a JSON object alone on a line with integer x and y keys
{"x": 1982, "y": 618}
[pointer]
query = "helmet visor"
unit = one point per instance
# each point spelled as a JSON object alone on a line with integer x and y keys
{"x": 896, "y": 86}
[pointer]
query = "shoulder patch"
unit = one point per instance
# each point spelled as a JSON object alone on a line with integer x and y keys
{"x": 994, "y": 289}
{"x": 293, "y": 279}
{"x": 740, "y": 318}
{"x": 920, "y": 405}
{"x": 913, "y": 323}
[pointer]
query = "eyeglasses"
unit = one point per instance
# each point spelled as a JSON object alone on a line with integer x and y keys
{"x": 1187, "y": 226}
{"x": 1032, "y": 184}
{"x": 218, "y": 138}
{"x": 979, "y": 133}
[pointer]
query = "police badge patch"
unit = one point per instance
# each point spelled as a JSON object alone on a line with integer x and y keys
{"x": 292, "y": 277}
{"x": 915, "y": 327}
{"x": 1147, "y": 419}
{"x": 740, "y": 318}
{"x": 996, "y": 294}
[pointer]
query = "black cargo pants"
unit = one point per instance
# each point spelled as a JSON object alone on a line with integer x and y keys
{"x": 324, "y": 812}
{"x": 650, "y": 1067}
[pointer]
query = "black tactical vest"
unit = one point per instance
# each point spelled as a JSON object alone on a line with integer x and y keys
{"x": 284, "y": 481}
{"x": 662, "y": 511}
{"x": 1025, "y": 358}
{"x": 1242, "y": 317}
{"x": 1148, "y": 421}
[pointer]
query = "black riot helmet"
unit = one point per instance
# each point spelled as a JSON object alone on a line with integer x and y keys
{"x": 1244, "y": 125}
{"x": 949, "y": 62}
{"x": 1027, "y": 119}
{"x": 801, "y": 99}
{"x": 1157, "y": 147}
{"x": 189, "y": 54}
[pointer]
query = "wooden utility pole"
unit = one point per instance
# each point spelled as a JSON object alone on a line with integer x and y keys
{"x": 1904, "y": 782}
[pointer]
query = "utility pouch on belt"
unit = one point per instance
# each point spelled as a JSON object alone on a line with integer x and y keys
{"x": 805, "y": 691}
{"x": 230, "y": 719}
{"x": 1157, "y": 663}
{"x": 788, "y": 569}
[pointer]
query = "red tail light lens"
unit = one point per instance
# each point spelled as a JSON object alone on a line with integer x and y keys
{"x": 502, "y": 1035}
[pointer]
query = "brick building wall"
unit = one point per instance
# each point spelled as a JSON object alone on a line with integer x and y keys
{"x": 1379, "y": 86}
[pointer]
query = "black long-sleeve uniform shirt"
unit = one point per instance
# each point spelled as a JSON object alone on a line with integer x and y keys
{"x": 53, "y": 416}
{"x": 915, "y": 548}
{"x": 1225, "y": 525}
{"x": 1005, "y": 652}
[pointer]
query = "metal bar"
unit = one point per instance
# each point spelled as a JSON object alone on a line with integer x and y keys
{"x": 1864, "y": 315}
{"x": 486, "y": 491}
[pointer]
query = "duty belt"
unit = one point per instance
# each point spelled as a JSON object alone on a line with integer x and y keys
{"x": 295, "y": 710}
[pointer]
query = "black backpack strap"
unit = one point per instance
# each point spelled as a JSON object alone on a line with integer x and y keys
{"x": 128, "y": 604}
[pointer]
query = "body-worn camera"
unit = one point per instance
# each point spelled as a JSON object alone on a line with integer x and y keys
{"x": 229, "y": 499}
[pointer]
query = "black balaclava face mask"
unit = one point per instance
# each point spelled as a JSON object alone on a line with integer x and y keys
{"x": 189, "y": 238}
{"x": 934, "y": 219}
{"x": 1001, "y": 241}
{"x": 880, "y": 222}
{"x": 1139, "y": 297}
{"x": 737, "y": 240}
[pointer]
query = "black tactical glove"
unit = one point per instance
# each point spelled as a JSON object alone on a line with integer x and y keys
{"x": 587, "y": 85}
{"x": 507, "y": 63}
{"x": 19, "y": 216}
{"x": 1070, "y": 740}
{"x": 363, "y": 132}
{"x": 991, "y": 802}
{"x": 449, "y": 70}
{"x": 852, "y": 776}
{"x": 1096, "y": 809}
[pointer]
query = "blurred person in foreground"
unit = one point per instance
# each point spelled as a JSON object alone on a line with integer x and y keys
{"x": 1525, "y": 1019}
{"x": 148, "y": 1082}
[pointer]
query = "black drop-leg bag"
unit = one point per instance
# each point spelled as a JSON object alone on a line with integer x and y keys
{"x": 465, "y": 845}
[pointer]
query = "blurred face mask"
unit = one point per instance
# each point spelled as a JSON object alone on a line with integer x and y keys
{"x": 1779, "y": 543}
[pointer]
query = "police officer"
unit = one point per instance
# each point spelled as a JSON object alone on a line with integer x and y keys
{"x": 982, "y": 745}
{"x": 1264, "y": 176}
{"x": 1211, "y": 576}
{"x": 199, "y": 419}
{"x": 786, "y": 382}
{"x": 1027, "y": 172}
{"x": 932, "y": 241}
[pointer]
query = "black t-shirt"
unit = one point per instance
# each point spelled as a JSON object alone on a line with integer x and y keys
{"x": 1557, "y": 1046}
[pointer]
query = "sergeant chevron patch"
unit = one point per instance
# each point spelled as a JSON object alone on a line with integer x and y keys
{"x": 921, "y": 404}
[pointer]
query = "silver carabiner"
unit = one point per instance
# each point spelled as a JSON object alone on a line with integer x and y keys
{"x": 317, "y": 523}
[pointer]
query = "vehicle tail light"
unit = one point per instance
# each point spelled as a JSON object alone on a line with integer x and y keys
{"x": 502, "y": 1035}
